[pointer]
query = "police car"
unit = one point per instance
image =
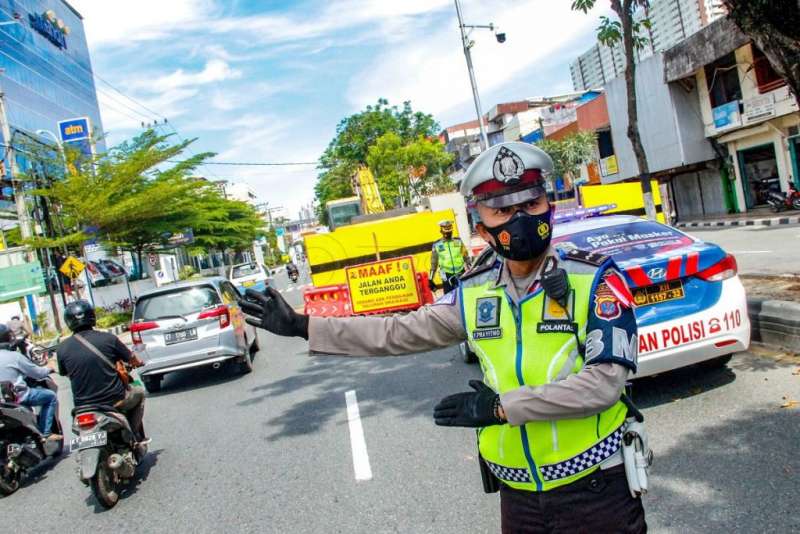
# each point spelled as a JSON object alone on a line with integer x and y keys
{"x": 690, "y": 304}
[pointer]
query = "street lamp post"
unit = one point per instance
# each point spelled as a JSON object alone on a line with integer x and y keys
{"x": 467, "y": 45}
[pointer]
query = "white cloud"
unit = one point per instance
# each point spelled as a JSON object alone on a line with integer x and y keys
{"x": 215, "y": 70}
{"x": 114, "y": 22}
{"x": 438, "y": 81}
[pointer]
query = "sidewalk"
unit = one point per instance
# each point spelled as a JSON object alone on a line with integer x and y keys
{"x": 755, "y": 217}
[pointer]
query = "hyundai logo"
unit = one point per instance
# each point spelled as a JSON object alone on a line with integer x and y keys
{"x": 656, "y": 272}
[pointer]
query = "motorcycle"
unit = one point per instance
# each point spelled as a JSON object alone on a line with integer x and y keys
{"x": 22, "y": 445}
{"x": 35, "y": 352}
{"x": 784, "y": 201}
{"x": 107, "y": 451}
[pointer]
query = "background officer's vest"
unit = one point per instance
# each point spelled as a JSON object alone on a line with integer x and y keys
{"x": 450, "y": 258}
{"x": 533, "y": 345}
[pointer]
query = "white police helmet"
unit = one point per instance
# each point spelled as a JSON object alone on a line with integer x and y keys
{"x": 507, "y": 174}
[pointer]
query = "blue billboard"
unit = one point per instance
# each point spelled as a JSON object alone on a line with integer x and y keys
{"x": 74, "y": 129}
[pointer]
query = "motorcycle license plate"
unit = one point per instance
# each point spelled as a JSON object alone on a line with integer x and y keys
{"x": 249, "y": 283}
{"x": 170, "y": 338}
{"x": 89, "y": 441}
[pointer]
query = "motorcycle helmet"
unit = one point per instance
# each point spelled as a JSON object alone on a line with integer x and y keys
{"x": 79, "y": 315}
{"x": 5, "y": 334}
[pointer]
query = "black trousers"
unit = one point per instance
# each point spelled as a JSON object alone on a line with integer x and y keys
{"x": 599, "y": 504}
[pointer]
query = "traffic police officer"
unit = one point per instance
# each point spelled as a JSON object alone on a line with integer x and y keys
{"x": 449, "y": 256}
{"x": 556, "y": 337}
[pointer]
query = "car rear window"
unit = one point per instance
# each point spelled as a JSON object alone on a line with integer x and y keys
{"x": 180, "y": 302}
{"x": 241, "y": 271}
{"x": 626, "y": 241}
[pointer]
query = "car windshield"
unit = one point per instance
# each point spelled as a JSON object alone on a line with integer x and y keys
{"x": 250, "y": 269}
{"x": 177, "y": 303}
{"x": 625, "y": 241}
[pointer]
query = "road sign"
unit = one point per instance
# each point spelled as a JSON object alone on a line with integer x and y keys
{"x": 21, "y": 280}
{"x": 383, "y": 286}
{"x": 72, "y": 267}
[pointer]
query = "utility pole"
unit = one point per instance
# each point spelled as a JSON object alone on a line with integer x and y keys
{"x": 19, "y": 192}
{"x": 467, "y": 44}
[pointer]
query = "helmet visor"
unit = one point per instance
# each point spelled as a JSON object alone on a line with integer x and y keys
{"x": 512, "y": 198}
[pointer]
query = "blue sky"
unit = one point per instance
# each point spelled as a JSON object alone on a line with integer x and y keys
{"x": 269, "y": 80}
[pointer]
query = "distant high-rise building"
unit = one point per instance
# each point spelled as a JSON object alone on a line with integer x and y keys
{"x": 671, "y": 21}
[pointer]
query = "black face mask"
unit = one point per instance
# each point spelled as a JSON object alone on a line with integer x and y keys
{"x": 447, "y": 235}
{"x": 523, "y": 236}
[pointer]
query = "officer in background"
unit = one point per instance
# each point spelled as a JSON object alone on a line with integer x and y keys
{"x": 556, "y": 336}
{"x": 449, "y": 256}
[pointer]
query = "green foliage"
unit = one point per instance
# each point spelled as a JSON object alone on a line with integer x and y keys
{"x": 350, "y": 147}
{"x": 571, "y": 152}
{"x": 610, "y": 31}
{"x": 135, "y": 198}
{"x": 392, "y": 161}
{"x": 107, "y": 319}
{"x": 186, "y": 272}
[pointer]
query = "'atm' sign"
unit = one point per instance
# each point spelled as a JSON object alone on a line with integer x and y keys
{"x": 74, "y": 129}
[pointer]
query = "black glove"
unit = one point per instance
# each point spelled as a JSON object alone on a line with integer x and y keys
{"x": 432, "y": 284}
{"x": 268, "y": 310}
{"x": 469, "y": 409}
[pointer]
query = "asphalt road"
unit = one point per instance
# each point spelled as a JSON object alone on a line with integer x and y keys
{"x": 758, "y": 249}
{"x": 272, "y": 452}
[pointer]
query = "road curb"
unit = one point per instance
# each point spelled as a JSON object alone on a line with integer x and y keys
{"x": 722, "y": 223}
{"x": 775, "y": 323}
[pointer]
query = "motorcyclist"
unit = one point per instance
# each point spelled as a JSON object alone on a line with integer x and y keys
{"x": 291, "y": 270}
{"x": 15, "y": 368}
{"x": 18, "y": 327}
{"x": 95, "y": 382}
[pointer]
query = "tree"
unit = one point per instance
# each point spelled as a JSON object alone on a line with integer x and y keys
{"x": 570, "y": 153}
{"x": 628, "y": 31}
{"x": 774, "y": 26}
{"x": 349, "y": 148}
{"x": 135, "y": 198}
{"x": 416, "y": 166}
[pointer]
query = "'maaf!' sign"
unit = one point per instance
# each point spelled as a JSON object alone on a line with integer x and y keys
{"x": 383, "y": 286}
{"x": 74, "y": 129}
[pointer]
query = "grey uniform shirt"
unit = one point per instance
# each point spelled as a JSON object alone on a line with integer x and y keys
{"x": 14, "y": 367}
{"x": 588, "y": 392}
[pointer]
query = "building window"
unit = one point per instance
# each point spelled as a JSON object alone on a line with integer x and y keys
{"x": 766, "y": 77}
{"x": 605, "y": 143}
{"x": 722, "y": 78}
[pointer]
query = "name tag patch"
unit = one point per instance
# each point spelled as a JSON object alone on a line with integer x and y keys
{"x": 487, "y": 333}
{"x": 557, "y": 327}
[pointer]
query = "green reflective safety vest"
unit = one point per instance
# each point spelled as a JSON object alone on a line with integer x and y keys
{"x": 532, "y": 344}
{"x": 451, "y": 260}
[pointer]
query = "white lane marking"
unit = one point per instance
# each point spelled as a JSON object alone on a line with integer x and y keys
{"x": 358, "y": 444}
{"x": 751, "y": 252}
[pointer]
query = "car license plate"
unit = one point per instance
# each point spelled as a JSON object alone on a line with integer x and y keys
{"x": 89, "y": 441}
{"x": 657, "y": 293}
{"x": 170, "y": 338}
{"x": 249, "y": 283}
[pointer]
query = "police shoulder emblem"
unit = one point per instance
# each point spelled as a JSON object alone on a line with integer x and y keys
{"x": 508, "y": 166}
{"x": 487, "y": 312}
{"x": 606, "y": 303}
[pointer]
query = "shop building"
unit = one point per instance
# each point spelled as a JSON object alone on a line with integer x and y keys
{"x": 746, "y": 109}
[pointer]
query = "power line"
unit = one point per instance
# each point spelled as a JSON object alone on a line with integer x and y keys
{"x": 254, "y": 164}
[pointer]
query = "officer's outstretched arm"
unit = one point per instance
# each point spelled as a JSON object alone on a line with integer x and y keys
{"x": 611, "y": 352}
{"x": 428, "y": 328}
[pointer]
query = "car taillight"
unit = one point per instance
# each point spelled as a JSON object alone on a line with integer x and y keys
{"x": 722, "y": 270}
{"x": 138, "y": 328}
{"x": 86, "y": 420}
{"x": 221, "y": 312}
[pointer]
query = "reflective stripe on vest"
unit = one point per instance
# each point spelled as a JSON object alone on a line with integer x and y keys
{"x": 451, "y": 260}
{"x": 514, "y": 351}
